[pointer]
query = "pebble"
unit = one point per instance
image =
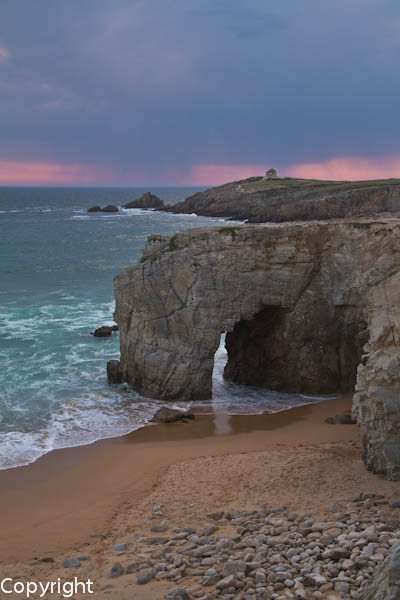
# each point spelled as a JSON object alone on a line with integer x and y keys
{"x": 116, "y": 570}
{"x": 71, "y": 562}
{"x": 271, "y": 553}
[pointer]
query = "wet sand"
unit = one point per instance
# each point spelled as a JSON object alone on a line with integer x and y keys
{"x": 293, "y": 457}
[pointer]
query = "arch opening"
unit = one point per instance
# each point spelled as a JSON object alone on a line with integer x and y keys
{"x": 283, "y": 350}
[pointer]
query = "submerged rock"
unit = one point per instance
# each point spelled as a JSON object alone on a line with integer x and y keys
{"x": 110, "y": 208}
{"x": 171, "y": 415}
{"x": 114, "y": 374}
{"x": 103, "y": 331}
{"x": 148, "y": 200}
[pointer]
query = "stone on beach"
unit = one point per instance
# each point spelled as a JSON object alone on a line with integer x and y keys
{"x": 71, "y": 562}
{"x": 171, "y": 415}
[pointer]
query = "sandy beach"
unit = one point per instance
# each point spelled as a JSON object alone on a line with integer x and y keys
{"x": 84, "y": 501}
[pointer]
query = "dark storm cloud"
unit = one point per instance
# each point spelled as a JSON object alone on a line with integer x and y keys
{"x": 161, "y": 83}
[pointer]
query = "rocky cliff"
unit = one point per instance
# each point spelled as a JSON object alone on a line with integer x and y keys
{"x": 303, "y": 304}
{"x": 276, "y": 200}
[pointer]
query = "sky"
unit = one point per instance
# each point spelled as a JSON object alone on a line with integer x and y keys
{"x": 197, "y": 92}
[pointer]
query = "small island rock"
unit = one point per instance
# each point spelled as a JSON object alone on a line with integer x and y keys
{"x": 103, "y": 331}
{"x": 110, "y": 208}
{"x": 148, "y": 200}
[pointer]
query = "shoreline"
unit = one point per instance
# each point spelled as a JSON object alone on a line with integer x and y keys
{"x": 207, "y": 410}
{"x": 85, "y": 487}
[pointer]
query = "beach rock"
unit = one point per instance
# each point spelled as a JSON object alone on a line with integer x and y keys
{"x": 114, "y": 374}
{"x": 103, "y": 331}
{"x": 171, "y": 415}
{"x": 71, "y": 563}
{"x": 120, "y": 547}
{"x": 216, "y": 516}
{"x": 287, "y": 329}
{"x": 145, "y": 577}
{"x": 159, "y": 528}
{"x": 177, "y": 594}
{"x": 95, "y": 208}
{"x": 343, "y": 419}
{"x": 148, "y": 200}
{"x": 46, "y": 559}
{"x": 116, "y": 570}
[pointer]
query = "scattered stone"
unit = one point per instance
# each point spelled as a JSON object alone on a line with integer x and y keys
{"x": 159, "y": 528}
{"x": 177, "y": 594}
{"x": 120, "y": 547}
{"x": 145, "y": 577}
{"x": 46, "y": 559}
{"x": 116, "y": 570}
{"x": 71, "y": 562}
{"x": 343, "y": 419}
{"x": 217, "y": 516}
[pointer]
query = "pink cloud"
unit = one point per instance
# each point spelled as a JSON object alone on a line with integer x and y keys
{"x": 35, "y": 173}
{"x": 49, "y": 173}
{"x": 211, "y": 174}
{"x": 347, "y": 168}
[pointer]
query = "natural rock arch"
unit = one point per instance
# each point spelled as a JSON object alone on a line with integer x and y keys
{"x": 294, "y": 300}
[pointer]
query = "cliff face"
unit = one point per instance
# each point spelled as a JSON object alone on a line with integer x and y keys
{"x": 303, "y": 305}
{"x": 385, "y": 585}
{"x": 260, "y": 200}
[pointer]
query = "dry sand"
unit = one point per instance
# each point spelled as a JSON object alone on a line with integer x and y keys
{"x": 115, "y": 487}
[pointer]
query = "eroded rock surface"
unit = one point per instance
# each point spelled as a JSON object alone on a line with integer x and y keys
{"x": 303, "y": 305}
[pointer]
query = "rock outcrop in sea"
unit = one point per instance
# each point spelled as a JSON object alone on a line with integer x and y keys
{"x": 110, "y": 208}
{"x": 280, "y": 199}
{"x": 148, "y": 200}
{"x": 307, "y": 307}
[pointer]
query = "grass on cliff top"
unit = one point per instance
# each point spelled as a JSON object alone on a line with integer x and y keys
{"x": 259, "y": 183}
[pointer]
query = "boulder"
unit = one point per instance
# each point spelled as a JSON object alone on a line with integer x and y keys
{"x": 171, "y": 415}
{"x": 148, "y": 200}
{"x": 343, "y": 419}
{"x": 110, "y": 208}
{"x": 95, "y": 208}
{"x": 103, "y": 331}
{"x": 114, "y": 374}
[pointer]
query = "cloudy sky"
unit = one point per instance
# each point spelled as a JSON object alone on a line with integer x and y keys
{"x": 197, "y": 91}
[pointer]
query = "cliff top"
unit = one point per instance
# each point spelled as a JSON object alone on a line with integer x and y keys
{"x": 278, "y": 199}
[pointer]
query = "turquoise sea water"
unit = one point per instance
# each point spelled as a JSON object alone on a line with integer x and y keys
{"x": 57, "y": 264}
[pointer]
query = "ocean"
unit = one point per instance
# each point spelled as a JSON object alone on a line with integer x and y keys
{"x": 57, "y": 264}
